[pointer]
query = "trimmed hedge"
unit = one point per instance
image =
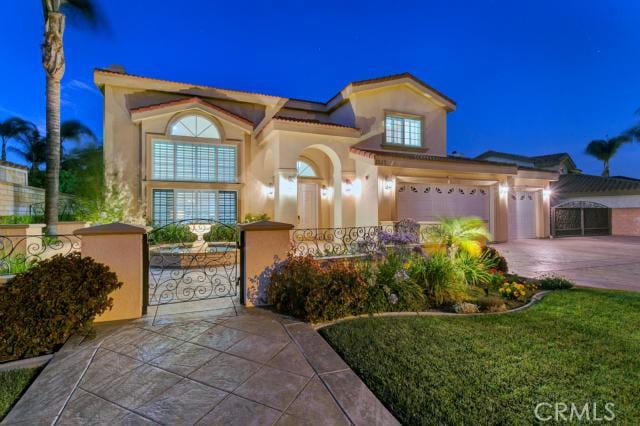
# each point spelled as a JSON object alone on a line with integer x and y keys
{"x": 42, "y": 307}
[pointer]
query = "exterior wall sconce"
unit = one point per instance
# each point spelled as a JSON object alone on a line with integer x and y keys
{"x": 388, "y": 184}
{"x": 503, "y": 190}
{"x": 269, "y": 190}
{"x": 546, "y": 193}
{"x": 348, "y": 187}
{"x": 324, "y": 191}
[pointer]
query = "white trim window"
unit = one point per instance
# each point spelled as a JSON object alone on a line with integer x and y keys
{"x": 172, "y": 205}
{"x": 193, "y": 162}
{"x": 195, "y": 126}
{"x": 405, "y": 131}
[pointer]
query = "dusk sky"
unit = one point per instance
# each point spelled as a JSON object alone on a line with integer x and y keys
{"x": 533, "y": 77}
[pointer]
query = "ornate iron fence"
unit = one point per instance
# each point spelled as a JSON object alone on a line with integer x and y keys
{"x": 19, "y": 253}
{"x": 355, "y": 241}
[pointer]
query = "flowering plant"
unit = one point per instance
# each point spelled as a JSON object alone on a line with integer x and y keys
{"x": 514, "y": 291}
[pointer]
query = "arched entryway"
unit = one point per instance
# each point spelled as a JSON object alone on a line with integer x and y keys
{"x": 319, "y": 202}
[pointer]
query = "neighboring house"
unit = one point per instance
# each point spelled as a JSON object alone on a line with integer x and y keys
{"x": 16, "y": 196}
{"x": 374, "y": 152}
{"x": 584, "y": 204}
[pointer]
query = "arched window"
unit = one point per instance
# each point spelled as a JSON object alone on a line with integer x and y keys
{"x": 305, "y": 169}
{"x": 195, "y": 126}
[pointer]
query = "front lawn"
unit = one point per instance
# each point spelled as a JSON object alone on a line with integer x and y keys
{"x": 576, "y": 346}
{"x": 12, "y": 386}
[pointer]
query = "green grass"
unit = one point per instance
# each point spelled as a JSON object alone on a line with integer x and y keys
{"x": 576, "y": 346}
{"x": 12, "y": 386}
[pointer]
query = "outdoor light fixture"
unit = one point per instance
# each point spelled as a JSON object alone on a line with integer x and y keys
{"x": 348, "y": 186}
{"x": 324, "y": 191}
{"x": 546, "y": 193}
{"x": 388, "y": 183}
{"x": 269, "y": 190}
{"x": 504, "y": 190}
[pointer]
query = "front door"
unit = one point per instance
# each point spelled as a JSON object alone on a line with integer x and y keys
{"x": 307, "y": 205}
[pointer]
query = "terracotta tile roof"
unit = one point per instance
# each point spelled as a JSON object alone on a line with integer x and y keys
{"x": 106, "y": 71}
{"x": 312, "y": 121}
{"x": 583, "y": 184}
{"x": 354, "y": 83}
{"x": 382, "y": 152}
{"x": 192, "y": 99}
{"x": 536, "y": 160}
{"x": 398, "y": 77}
{"x": 14, "y": 165}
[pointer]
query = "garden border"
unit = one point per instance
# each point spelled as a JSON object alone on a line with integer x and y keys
{"x": 534, "y": 300}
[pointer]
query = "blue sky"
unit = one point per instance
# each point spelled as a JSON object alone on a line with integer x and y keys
{"x": 530, "y": 77}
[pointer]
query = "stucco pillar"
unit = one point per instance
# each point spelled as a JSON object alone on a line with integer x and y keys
{"x": 120, "y": 247}
{"x": 367, "y": 198}
{"x": 286, "y": 196}
{"x": 262, "y": 243}
{"x": 543, "y": 215}
{"x": 501, "y": 208}
{"x": 351, "y": 187}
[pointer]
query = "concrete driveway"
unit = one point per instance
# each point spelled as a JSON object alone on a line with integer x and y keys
{"x": 604, "y": 262}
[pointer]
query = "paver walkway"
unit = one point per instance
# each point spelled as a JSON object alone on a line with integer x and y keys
{"x": 256, "y": 368}
{"x": 604, "y": 262}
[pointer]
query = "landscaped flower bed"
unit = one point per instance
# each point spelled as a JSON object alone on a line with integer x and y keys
{"x": 463, "y": 278}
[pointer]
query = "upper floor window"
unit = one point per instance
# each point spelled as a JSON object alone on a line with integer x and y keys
{"x": 195, "y": 126}
{"x": 305, "y": 169}
{"x": 195, "y": 162}
{"x": 406, "y": 131}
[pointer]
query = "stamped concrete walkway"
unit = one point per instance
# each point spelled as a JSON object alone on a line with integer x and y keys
{"x": 604, "y": 262}
{"x": 256, "y": 368}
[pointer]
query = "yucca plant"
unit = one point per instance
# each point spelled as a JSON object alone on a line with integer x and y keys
{"x": 460, "y": 234}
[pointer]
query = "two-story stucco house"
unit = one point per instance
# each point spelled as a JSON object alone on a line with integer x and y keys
{"x": 374, "y": 152}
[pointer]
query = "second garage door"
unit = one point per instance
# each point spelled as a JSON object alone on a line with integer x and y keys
{"x": 522, "y": 215}
{"x": 431, "y": 202}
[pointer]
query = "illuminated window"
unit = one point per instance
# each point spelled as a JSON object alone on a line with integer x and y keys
{"x": 403, "y": 131}
{"x": 171, "y": 205}
{"x": 195, "y": 126}
{"x": 195, "y": 162}
{"x": 305, "y": 169}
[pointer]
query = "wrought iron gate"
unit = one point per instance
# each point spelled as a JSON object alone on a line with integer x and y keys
{"x": 581, "y": 218}
{"x": 193, "y": 260}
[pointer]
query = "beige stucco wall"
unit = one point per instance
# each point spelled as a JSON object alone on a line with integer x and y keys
{"x": 371, "y": 107}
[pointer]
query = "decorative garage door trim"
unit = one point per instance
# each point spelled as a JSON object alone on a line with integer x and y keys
{"x": 430, "y": 202}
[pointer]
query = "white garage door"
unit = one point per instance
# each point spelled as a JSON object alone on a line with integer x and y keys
{"x": 522, "y": 215}
{"x": 431, "y": 202}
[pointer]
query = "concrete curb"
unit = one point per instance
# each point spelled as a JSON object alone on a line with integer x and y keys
{"x": 34, "y": 362}
{"x": 534, "y": 299}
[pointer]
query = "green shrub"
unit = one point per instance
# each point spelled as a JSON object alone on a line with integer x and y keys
{"x": 553, "y": 282}
{"x": 390, "y": 290}
{"x": 499, "y": 262}
{"x": 41, "y": 308}
{"x": 253, "y": 217}
{"x": 14, "y": 264}
{"x": 304, "y": 288}
{"x": 173, "y": 233}
{"x": 222, "y": 233}
{"x": 475, "y": 269}
{"x": 441, "y": 279}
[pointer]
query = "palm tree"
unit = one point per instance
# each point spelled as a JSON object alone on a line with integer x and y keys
{"x": 460, "y": 233}
{"x": 76, "y": 131}
{"x": 55, "y": 12}
{"x": 605, "y": 149}
{"x": 32, "y": 148}
{"x": 11, "y": 128}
